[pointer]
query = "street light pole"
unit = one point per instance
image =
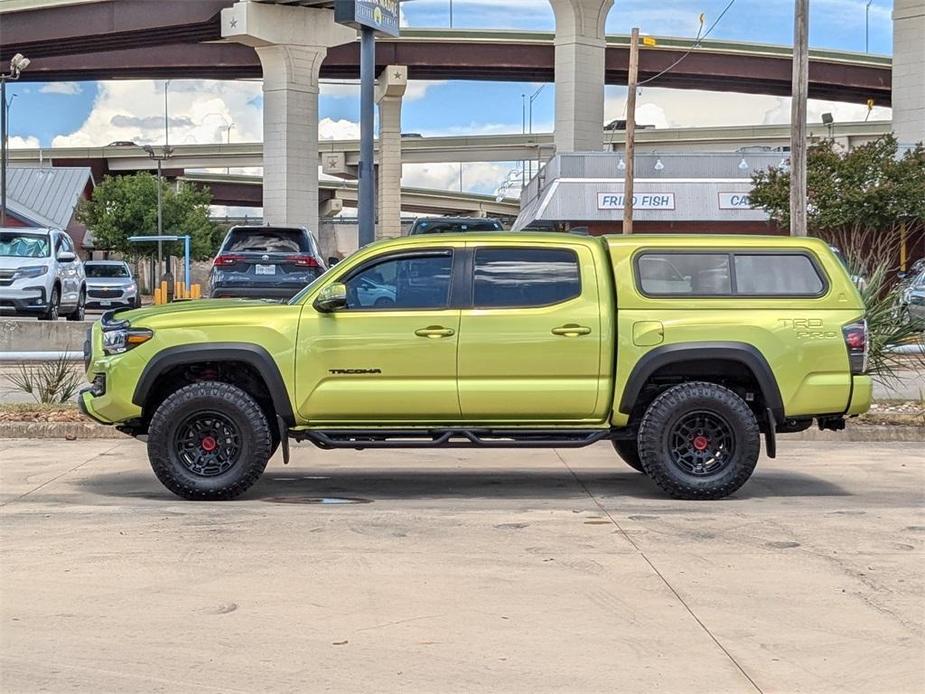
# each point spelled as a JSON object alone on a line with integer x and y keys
{"x": 867, "y": 26}
{"x": 799, "y": 89}
{"x": 367, "y": 192}
{"x": 17, "y": 65}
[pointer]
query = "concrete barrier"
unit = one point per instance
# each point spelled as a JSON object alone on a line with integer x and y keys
{"x": 42, "y": 336}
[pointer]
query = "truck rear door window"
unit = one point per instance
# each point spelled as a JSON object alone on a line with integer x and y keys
{"x": 777, "y": 275}
{"x": 525, "y": 277}
{"x": 696, "y": 274}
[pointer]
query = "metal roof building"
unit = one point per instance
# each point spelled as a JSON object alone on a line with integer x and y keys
{"x": 46, "y": 196}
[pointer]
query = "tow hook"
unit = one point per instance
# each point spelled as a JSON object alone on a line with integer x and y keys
{"x": 831, "y": 423}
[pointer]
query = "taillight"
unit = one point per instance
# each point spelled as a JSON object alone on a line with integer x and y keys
{"x": 855, "y": 335}
{"x": 305, "y": 261}
{"x": 225, "y": 260}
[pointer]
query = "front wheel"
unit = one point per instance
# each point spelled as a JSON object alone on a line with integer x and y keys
{"x": 80, "y": 312}
{"x": 51, "y": 313}
{"x": 209, "y": 441}
{"x": 699, "y": 441}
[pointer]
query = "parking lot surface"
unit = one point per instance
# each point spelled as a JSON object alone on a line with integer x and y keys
{"x": 514, "y": 571}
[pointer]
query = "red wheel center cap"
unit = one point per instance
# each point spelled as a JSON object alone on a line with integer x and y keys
{"x": 209, "y": 444}
{"x": 701, "y": 442}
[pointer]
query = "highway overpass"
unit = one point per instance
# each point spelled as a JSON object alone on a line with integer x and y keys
{"x": 463, "y": 148}
{"x": 141, "y": 39}
{"x": 247, "y": 191}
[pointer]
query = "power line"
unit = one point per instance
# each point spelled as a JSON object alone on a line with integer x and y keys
{"x": 697, "y": 42}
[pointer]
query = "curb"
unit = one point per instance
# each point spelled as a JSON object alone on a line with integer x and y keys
{"x": 90, "y": 430}
{"x": 57, "y": 430}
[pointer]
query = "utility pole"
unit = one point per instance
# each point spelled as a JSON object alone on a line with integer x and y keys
{"x": 630, "y": 148}
{"x": 17, "y": 65}
{"x": 798, "y": 118}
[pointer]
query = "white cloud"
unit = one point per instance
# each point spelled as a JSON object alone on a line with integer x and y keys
{"x": 66, "y": 88}
{"x": 338, "y": 129}
{"x": 200, "y": 111}
{"x": 686, "y": 108}
{"x": 28, "y": 142}
{"x": 350, "y": 89}
{"x": 477, "y": 177}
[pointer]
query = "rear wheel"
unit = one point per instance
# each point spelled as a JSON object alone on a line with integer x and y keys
{"x": 628, "y": 451}
{"x": 699, "y": 441}
{"x": 209, "y": 441}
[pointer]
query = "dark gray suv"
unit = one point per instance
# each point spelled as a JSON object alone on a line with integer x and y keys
{"x": 265, "y": 262}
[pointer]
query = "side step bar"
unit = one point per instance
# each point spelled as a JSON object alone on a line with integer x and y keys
{"x": 451, "y": 438}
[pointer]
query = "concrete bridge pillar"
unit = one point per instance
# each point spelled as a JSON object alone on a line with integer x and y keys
{"x": 580, "y": 48}
{"x": 291, "y": 43}
{"x": 909, "y": 71}
{"x": 390, "y": 88}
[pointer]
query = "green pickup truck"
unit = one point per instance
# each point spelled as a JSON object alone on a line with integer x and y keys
{"x": 680, "y": 350}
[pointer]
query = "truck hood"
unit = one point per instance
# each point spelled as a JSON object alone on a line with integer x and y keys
{"x": 139, "y": 316}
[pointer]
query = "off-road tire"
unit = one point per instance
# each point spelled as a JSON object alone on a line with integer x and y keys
{"x": 51, "y": 313}
{"x": 628, "y": 450}
{"x": 80, "y": 311}
{"x": 235, "y": 405}
{"x": 672, "y": 409}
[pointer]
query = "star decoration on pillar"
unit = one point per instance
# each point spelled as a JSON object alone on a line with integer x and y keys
{"x": 396, "y": 75}
{"x": 234, "y": 22}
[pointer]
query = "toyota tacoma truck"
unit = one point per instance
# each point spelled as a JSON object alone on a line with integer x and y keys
{"x": 684, "y": 352}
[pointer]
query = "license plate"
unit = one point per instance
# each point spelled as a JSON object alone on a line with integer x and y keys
{"x": 265, "y": 269}
{"x": 105, "y": 302}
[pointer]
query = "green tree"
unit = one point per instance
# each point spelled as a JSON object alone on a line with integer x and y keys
{"x": 869, "y": 188}
{"x": 124, "y": 206}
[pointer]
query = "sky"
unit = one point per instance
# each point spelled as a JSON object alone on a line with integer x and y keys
{"x": 202, "y": 111}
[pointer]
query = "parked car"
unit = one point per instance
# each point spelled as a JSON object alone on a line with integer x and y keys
{"x": 444, "y": 225}
{"x": 913, "y": 299}
{"x": 268, "y": 262}
{"x": 501, "y": 340}
{"x": 40, "y": 274}
{"x": 110, "y": 284}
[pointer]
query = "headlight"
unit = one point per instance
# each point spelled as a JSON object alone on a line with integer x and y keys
{"x": 124, "y": 339}
{"x": 31, "y": 271}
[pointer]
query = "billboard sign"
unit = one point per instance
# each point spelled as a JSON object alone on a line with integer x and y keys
{"x": 734, "y": 201}
{"x": 379, "y": 15}
{"x": 641, "y": 201}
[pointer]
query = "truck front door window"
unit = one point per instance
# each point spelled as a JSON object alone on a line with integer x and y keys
{"x": 421, "y": 282}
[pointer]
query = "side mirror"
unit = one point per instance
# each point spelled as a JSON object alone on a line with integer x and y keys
{"x": 333, "y": 260}
{"x": 65, "y": 257}
{"x": 332, "y": 298}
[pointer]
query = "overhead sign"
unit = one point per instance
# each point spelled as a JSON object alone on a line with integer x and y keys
{"x": 380, "y": 15}
{"x": 734, "y": 201}
{"x": 641, "y": 201}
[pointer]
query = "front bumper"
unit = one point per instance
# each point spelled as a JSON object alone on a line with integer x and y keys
{"x": 31, "y": 299}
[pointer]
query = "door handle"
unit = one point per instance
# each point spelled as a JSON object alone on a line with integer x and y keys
{"x": 571, "y": 330}
{"x": 434, "y": 331}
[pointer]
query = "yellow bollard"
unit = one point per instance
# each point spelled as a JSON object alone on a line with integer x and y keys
{"x": 164, "y": 292}
{"x": 196, "y": 291}
{"x": 183, "y": 290}
{"x": 157, "y": 296}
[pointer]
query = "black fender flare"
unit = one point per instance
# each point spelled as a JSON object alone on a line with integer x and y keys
{"x": 253, "y": 355}
{"x": 744, "y": 353}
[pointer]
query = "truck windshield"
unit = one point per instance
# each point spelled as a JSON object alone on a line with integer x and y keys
{"x": 14, "y": 244}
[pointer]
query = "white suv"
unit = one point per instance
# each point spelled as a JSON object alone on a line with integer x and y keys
{"x": 40, "y": 274}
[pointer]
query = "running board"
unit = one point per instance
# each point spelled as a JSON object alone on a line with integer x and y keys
{"x": 451, "y": 438}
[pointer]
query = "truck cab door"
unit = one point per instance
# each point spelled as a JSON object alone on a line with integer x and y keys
{"x": 531, "y": 345}
{"x": 389, "y": 356}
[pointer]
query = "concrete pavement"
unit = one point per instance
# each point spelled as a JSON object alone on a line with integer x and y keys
{"x": 513, "y": 571}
